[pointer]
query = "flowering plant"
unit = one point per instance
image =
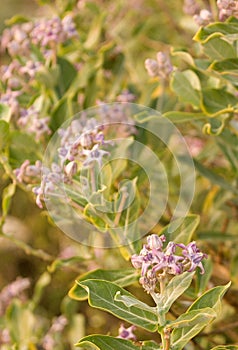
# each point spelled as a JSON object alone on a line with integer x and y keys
{"x": 118, "y": 174}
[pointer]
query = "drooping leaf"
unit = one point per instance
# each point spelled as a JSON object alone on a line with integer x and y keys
{"x": 122, "y": 278}
{"x": 101, "y": 295}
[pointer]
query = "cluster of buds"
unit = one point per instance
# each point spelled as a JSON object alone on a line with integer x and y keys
{"x": 116, "y": 116}
{"x": 156, "y": 261}
{"x": 81, "y": 143}
{"x": 28, "y": 173}
{"x": 11, "y": 291}
{"x": 227, "y": 8}
{"x": 31, "y": 122}
{"x": 10, "y": 99}
{"x": 203, "y": 18}
{"x": 16, "y": 74}
{"x": 45, "y": 33}
{"x": 161, "y": 67}
{"x": 51, "y": 181}
{"x": 49, "y": 341}
{"x": 191, "y": 7}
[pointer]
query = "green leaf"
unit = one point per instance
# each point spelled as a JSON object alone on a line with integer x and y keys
{"x": 105, "y": 342}
{"x": 176, "y": 287}
{"x": 132, "y": 301}
{"x": 101, "y": 295}
{"x": 211, "y": 298}
{"x": 225, "y": 66}
{"x": 219, "y": 49}
{"x": 217, "y": 101}
{"x": 216, "y": 236}
{"x": 4, "y": 134}
{"x": 95, "y": 31}
{"x": 17, "y": 19}
{"x": 122, "y": 278}
{"x": 5, "y": 112}
{"x": 7, "y": 195}
{"x": 213, "y": 177}
{"x": 67, "y": 74}
{"x": 203, "y": 279}
{"x": 60, "y": 114}
{"x": 189, "y": 325}
{"x": 58, "y": 263}
{"x": 181, "y": 230}
{"x": 22, "y": 147}
{"x": 150, "y": 345}
{"x": 186, "y": 87}
{"x": 181, "y": 117}
{"x": 225, "y": 347}
{"x": 217, "y": 28}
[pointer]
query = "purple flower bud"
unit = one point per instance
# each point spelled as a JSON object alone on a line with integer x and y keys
{"x": 127, "y": 333}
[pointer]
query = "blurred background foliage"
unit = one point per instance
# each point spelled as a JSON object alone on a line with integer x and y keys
{"x": 115, "y": 40}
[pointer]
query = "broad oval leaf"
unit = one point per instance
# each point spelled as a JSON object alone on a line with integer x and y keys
{"x": 183, "y": 87}
{"x": 105, "y": 342}
{"x": 189, "y": 325}
{"x": 101, "y": 295}
{"x": 122, "y": 278}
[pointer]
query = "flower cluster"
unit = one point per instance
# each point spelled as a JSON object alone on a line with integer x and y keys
{"x": 31, "y": 122}
{"x": 81, "y": 144}
{"x": 28, "y": 173}
{"x": 12, "y": 290}
{"x": 201, "y": 16}
{"x": 49, "y": 341}
{"x": 45, "y": 33}
{"x": 227, "y": 8}
{"x": 50, "y": 183}
{"x": 154, "y": 261}
{"x": 161, "y": 67}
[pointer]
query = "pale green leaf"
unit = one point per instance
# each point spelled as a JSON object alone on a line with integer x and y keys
{"x": 188, "y": 325}
{"x": 176, "y": 287}
{"x": 181, "y": 230}
{"x": 101, "y": 295}
{"x": 185, "y": 89}
{"x": 122, "y": 278}
{"x": 211, "y": 298}
{"x": 105, "y": 342}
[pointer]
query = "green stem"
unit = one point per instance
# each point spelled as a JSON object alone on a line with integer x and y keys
{"x": 28, "y": 249}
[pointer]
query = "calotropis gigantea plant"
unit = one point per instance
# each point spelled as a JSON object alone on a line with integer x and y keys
{"x": 165, "y": 267}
